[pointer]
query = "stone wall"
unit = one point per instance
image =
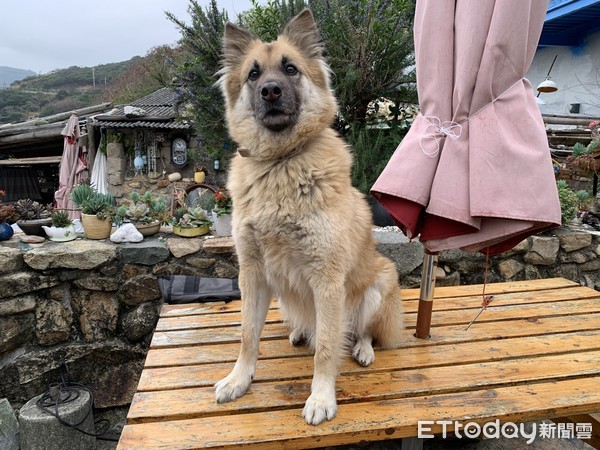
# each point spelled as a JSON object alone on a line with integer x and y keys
{"x": 91, "y": 304}
{"x": 122, "y": 179}
{"x": 94, "y": 304}
{"x": 571, "y": 253}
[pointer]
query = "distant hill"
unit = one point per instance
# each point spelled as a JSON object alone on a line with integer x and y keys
{"x": 78, "y": 87}
{"x": 10, "y": 74}
{"x": 61, "y": 90}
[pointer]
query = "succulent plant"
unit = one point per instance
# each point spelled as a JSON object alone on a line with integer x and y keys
{"x": 143, "y": 209}
{"x": 90, "y": 201}
{"x": 191, "y": 217}
{"x": 61, "y": 219}
{"x": 28, "y": 209}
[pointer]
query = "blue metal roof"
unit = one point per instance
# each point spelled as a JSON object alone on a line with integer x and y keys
{"x": 568, "y": 22}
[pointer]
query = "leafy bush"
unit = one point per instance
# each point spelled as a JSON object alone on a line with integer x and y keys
{"x": 368, "y": 45}
{"x": 569, "y": 203}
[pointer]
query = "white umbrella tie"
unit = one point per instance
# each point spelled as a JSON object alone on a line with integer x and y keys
{"x": 448, "y": 128}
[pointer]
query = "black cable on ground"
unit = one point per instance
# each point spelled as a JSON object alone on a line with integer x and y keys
{"x": 68, "y": 391}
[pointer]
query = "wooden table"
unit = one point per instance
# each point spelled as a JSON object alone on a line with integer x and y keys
{"x": 533, "y": 354}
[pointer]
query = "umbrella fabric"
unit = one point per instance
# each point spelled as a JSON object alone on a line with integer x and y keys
{"x": 98, "y": 178}
{"x": 474, "y": 170}
{"x": 72, "y": 165}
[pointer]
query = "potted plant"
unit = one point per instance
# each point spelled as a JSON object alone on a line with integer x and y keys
{"x": 190, "y": 221}
{"x": 146, "y": 212}
{"x": 199, "y": 169}
{"x": 62, "y": 228}
{"x": 32, "y": 216}
{"x": 8, "y": 216}
{"x": 97, "y": 210}
{"x": 222, "y": 213}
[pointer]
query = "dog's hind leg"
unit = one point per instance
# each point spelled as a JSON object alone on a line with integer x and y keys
{"x": 297, "y": 337}
{"x": 256, "y": 297}
{"x": 363, "y": 348}
{"x": 387, "y": 326}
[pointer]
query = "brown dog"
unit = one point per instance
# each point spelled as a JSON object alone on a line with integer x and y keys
{"x": 302, "y": 232}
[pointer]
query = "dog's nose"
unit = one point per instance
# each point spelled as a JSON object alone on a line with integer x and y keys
{"x": 270, "y": 92}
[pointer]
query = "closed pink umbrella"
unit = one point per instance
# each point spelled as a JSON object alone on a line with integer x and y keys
{"x": 474, "y": 171}
{"x": 72, "y": 166}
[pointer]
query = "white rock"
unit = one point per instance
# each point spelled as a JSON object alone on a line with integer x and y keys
{"x": 127, "y": 233}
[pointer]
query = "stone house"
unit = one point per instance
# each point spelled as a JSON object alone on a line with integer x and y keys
{"x": 32, "y": 150}
{"x": 148, "y": 128}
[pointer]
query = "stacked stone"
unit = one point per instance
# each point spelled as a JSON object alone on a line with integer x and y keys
{"x": 564, "y": 252}
{"x": 92, "y": 304}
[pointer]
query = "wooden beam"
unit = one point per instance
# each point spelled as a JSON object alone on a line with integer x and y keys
{"x": 33, "y": 135}
{"x": 30, "y": 161}
{"x": 57, "y": 117}
{"x": 567, "y": 120}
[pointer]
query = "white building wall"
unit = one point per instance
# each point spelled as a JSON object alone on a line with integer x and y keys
{"x": 577, "y": 74}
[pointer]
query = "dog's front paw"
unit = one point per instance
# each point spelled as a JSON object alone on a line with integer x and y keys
{"x": 363, "y": 353}
{"x": 317, "y": 409}
{"x": 232, "y": 387}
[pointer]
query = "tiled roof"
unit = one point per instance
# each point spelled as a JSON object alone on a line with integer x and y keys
{"x": 163, "y": 97}
{"x": 160, "y": 113}
{"x": 143, "y": 124}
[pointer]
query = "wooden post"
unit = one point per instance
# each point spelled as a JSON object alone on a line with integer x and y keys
{"x": 430, "y": 262}
{"x": 91, "y": 146}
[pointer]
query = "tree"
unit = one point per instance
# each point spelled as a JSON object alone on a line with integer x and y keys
{"x": 369, "y": 48}
{"x": 198, "y": 97}
{"x": 146, "y": 75}
{"x": 368, "y": 45}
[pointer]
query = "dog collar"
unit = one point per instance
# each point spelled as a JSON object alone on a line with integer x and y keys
{"x": 245, "y": 153}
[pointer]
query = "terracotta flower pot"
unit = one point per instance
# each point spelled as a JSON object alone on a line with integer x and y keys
{"x": 148, "y": 229}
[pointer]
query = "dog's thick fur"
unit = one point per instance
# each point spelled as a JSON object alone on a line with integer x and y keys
{"x": 302, "y": 232}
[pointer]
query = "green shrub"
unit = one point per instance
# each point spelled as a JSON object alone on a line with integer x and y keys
{"x": 569, "y": 202}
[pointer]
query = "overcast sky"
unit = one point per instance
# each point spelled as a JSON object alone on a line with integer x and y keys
{"x": 43, "y": 35}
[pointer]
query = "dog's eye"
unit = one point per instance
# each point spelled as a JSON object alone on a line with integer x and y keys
{"x": 290, "y": 69}
{"x": 254, "y": 74}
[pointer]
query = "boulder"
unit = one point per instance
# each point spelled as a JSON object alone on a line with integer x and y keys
{"x": 15, "y": 331}
{"x": 12, "y": 259}
{"x": 79, "y": 254}
{"x": 24, "y": 283}
{"x": 98, "y": 313}
{"x": 180, "y": 247}
{"x": 9, "y": 427}
{"x": 543, "y": 251}
{"x": 139, "y": 290}
{"x": 147, "y": 252}
{"x": 140, "y": 322}
{"x": 52, "y": 322}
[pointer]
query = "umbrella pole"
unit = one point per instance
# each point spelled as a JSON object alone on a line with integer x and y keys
{"x": 430, "y": 262}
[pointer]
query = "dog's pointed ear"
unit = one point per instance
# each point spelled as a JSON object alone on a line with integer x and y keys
{"x": 303, "y": 33}
{"x": 236, "y": 42}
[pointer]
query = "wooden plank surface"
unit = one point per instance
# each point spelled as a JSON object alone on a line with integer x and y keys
{"x": 535, "y": 353}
